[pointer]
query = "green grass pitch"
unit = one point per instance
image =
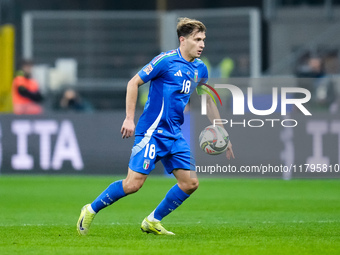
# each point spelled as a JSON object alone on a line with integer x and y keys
{"x": 38, "y": 215}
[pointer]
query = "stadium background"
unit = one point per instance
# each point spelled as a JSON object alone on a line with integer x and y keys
{"x": 54, "y": 163}
{"x": 93, "y": 48}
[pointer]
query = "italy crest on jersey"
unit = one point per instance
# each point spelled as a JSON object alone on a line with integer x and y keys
{"x": 196, "y": 76}
{"x": 146, "y": 164}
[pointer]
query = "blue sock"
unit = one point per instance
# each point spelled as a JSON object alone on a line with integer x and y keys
{"x": 109, "y": 196}
{"x": 172, "y": 200}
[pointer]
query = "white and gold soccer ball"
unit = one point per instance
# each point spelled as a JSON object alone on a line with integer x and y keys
{"x": 214, "y": 140}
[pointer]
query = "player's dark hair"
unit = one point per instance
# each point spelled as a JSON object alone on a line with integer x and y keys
{"x": 186, "y": 27}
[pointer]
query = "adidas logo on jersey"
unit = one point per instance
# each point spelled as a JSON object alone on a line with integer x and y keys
{"x": 179, "y": 73}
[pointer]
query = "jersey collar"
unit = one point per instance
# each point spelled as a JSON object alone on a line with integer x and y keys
{"x": 180, "y": 55}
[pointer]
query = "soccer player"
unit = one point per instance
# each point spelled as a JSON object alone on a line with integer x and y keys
{"x": 173, "y": 75}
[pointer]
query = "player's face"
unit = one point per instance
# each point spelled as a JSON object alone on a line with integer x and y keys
{"x": 194, "y": 45}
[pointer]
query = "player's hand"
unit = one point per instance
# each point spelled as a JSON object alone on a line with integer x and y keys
{"x": 128, "y": 128}
{"x": 230, "y": 153}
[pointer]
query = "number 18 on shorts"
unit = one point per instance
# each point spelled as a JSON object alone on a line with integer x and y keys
{"x": 174, "y": 154}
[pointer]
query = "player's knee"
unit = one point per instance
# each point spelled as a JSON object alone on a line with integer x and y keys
{"x": 189, "y": 186}
{"x": 194, "y": 185}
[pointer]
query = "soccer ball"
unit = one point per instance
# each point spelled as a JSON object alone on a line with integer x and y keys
{"x": 214, "y": 140}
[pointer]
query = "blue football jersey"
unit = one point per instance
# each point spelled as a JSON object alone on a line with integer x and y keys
{"x": 172, "y": 80}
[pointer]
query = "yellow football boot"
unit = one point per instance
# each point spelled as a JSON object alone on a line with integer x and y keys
{"x": 85, "y": 220}
{"x": 154, "y": 228}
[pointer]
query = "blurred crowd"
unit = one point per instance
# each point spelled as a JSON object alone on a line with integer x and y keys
{"x": 28, "y": 99}
{"x": 316, "y": 71}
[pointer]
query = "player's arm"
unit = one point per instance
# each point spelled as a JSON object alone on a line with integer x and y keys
{"x": 128, "y": 127}
{"x": 34, "y": 96}
{"x": 213, "y": 113}
{"x": 19, "y": 85}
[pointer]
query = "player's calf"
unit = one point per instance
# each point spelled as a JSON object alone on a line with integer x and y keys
{"x": 131, "y": 186}
{"x": 133, "y": 181}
